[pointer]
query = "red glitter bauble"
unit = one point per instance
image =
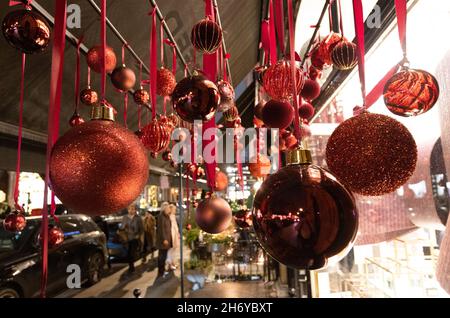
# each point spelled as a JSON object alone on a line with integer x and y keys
{"x": 226, "y": 92}
{"x": 165, "y": 82}
{"x": 88, "y": 96}
{"x": 26, "y": 30}
{"x": 206, "y": 36}
{"x": 76, "y": 120}
{"x": 232, "y": 114}
{"x": 243, "y": 218}
{"x": 155, "y": 136}
{"x": 259, "y": 166}
{"x": 14, "y": 222}
{"x": 302, "y": 216}
{"x": 195, "y": 98}
{"x": 311, "y": 89}
{"x": 141, "y": 97}
{"x": 371, "y": 154}
{"x": 213, "y": 215}
{"x": 278, "y": 81}
{"x": 166, "y": 155}
{"x": 344, "y": 55}
{"x": 221, "y": 183}
{"x": 123, "y": 78}
{"x": 55, "y": 236}
{"x": 93, "y": 59}
{"x": 321, "y": 53}
{"x": 306, "y": 111}
{"x": 98, "y": 167}
{"x": 277, "y": 114}
{"x": 411, "y": 92}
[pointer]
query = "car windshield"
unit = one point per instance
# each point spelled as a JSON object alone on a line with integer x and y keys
{"x": 10, "y": 241}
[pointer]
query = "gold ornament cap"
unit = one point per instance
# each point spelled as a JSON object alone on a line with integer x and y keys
{"x": 102, "y": 112}
{"x": 298, "y": 156}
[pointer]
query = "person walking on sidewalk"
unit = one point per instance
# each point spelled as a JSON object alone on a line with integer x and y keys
{"x": 134, "y": 229}
{"x": 175, "y": 231}
{"x": 163, "y": 236}
{"x": 150, "y": 234}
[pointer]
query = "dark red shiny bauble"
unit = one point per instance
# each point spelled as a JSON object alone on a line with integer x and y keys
{"x": 213, "y": 215}
{"x": 165, "y": 82}
{"x": 279, "y": 83}
{"x": 98, "y": 167}
{"x": 155, "y": 136}
{"x": 166, "y": 155}
{"x": 55, "y": 236}
{"x": 76, "y": 120}
{"x": 344, "y": 55}
{"x": 93, "y": 59}
{"x": 302, "y": 216}
{"x": 306, "y": 111}
{"x": 277, "y": 114}
{"x": 26, "y": 30}
{"x": 226, "y": 92}
{"x": 311, "y": 90}
{"x": 14, "y": 222}
{"x": 221, "y": 181}
{"x": 321, "y": 53}
{"x": 231, "y": 114}
{"x": 206, "y": 36}
{"x": 123, "y": 78}
{"x": 141, "y": 97}
{"x": 195, "y": 98}
{"x": 88, "y": 96}
{"x": 259, "y": 166}
{"x": 258, "y": 109}
{"x": 411, "y": 92}
{"x": 243, "y": 218}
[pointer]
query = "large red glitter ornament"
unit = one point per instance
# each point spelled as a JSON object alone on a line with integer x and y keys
{"x": 165, "y": 82}
{"x": 206, "y": 36}
{"x": 123, "y": 78}
{"x": 278, "y": 81}
{"x": 259, "y": 166}
{"x": 302, "y": 215}
{"x": 306, "y": 111}
{"x": 311, "y": 90}
{"x": 226, "y": 92}
{"x": 195, "y": 98}
{"x": 371, "y": 154}
{"x": 411, "y": 92}
{"x": 213, "y": 215}
{"x": 243, "y": 218}
{"x": 344, "y": 55}
{"x": 155, "y": 136}
{"x": 277, "y": 114}
{"x": 141, "y": 96}
{"x": 26, "y": 30}
{"x": 221, "y": 182}
{"x": 93, "y": 59}
{"x": 14, "y": 222}
{"x": 98, "y": 167}
{"x": 231, "y": 114}
{"x": 88, "y": 96}
{"x": 321, "y": 53}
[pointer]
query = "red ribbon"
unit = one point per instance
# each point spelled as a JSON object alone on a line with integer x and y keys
{"x": 89, "y": 76}
{"x": 103, "y": 51}
{"x": 279, "y": 20}
{"x": 377, "y": 91}
{"x": 77, "y": 76}
{"x": 125, "y": 108}
{"x": 359, "y": 30}
{"x": 54, "y": 108}
{"x": 174, "y": 55}
{"x": 153, "y": 63}
{"x": 401, "y": 11}
{"x": 139, "y": 116}
{"x": 265, "y": 39}
{"x": 272, "y": 36}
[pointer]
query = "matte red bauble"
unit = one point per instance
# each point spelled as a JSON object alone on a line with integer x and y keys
{"x": 278, "y": 81}
{"x": 213, "y": 215}
{"x": 141, "y": 97}
{"x": 206, "y": 36}
{"x": 321, "y": 53}
{"x": 411, "y": 92}
{"x": 226, "y": 92}
{"x": 166, "y": 155}
{"x": 302, "y": 216}
{"x": 243, "y": 219}
{"x": 277, "y": 114}
{"x": 344, "y": 55}
{"x": 195, "y": 98}
{"x": 221, "y": 181}
{"x": 260, "y": 166}
{"x": 98, "y": 167}
{"x": 165, "y": 82}
{"x": 75, "y": 120}
{"x": 14, "y": 222}
{"x": 311, "y": 90}
{"x": 371, "y": 154}
{"x": 123, "y": 78}
{"x": 93, "y": 59}
{"x": 155, "y": 136}
{"x": 26, "y": 30}
{"x": 306, "y": 111}
{"x": 55, "y": 236}
{"x": 231, "y": 114}
{"x": 88, "y": 96}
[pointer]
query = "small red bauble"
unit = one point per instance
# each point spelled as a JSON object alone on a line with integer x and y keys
{"x": 226, "y": 92}
{"x": 231, "y": 114}
{"x": 321, "y": 53}
{"x": 206, "y": 36}
{"x": 88, "y": 96}
{"x": 141, "y": 96}
{"x": 411, "y": 92}
{"x": 221, "y": 183}
{"x": 306, "y": 111}
{"x": 195, "y": 98}
{"x": 277, "y": 114}
{"x": 166, "y": 155}
{"x": 165, "y": 82}
{"x": 371, "y": 154}
{"x": 259, "y": 166}
{"x": 93, "y": 59}
{"x": 26, "y": 30}
{"x": 311, "y": 89}
{"x": 243, "y": 219}
{"x": 123, "y": 78}
{"x": 213, "y": 215}
{"x": 14, "y": 222}
{"x": 278, "y": 81}
{"x": 55, "y": 236}
{"x": 155, "y": 136}
{"x": 76, "y": 120}
{"x": 344, "y": 55}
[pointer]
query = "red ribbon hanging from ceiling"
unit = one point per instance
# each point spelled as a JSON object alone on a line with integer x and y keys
{"x": 359, "y": 31}
{"x": 272, "y": 35}
{"x": 77, "y": 75}
{"x": 401, "y": 11}
{"x": 265, "y": 39}
{"x": 153, "y": 63}
{"x": 279, "y": 20}
{"x": 125, "y": 93}
{"x": 103, "y": 50}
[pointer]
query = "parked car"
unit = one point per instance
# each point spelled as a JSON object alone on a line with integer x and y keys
{"x": 21, "y": 262}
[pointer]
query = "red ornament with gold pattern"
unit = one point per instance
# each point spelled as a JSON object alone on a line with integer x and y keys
{"x": 155, "y": 136}
{"x": 206, "y": 36}
{"x": 88, "y": 96}
{"x": 141, "y": 96}
{"x": 278, "y": 81}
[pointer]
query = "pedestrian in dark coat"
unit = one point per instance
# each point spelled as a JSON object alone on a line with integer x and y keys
{"x": 163, "y": 236}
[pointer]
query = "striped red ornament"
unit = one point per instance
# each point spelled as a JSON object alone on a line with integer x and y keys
{"x": 344, "y": 55}
{"x": 206, "y": 36}
{"x": 155, "y": 136}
